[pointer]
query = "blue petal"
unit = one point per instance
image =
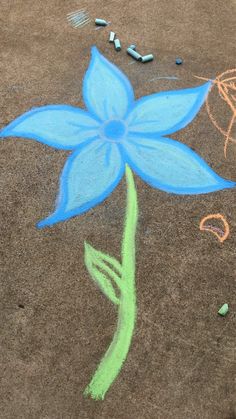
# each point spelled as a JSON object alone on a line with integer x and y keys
{"x": 172, "y": 167}
{"x": 59, "y": 126}
{"x": 89, "y": 176}
{"x": 166, "y": 112}
{"x": 106, "y": 90}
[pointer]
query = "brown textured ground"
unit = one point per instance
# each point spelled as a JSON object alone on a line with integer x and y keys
{"x": 182, "y": 362}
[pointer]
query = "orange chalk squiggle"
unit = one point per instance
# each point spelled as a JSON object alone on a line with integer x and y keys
{"x": 220, "y": 234}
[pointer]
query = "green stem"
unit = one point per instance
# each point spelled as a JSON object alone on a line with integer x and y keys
{"x": 116, "y": 354}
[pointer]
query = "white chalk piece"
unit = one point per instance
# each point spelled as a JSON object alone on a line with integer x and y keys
{"x": 112, "y": 36}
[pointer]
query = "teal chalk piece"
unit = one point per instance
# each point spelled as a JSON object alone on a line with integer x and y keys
{"x": 134, "y": 54}
{"x": 117, "y": 44}
{"x": 132, "y": 46}
{"x": 147, "y": 58}
{"x": 223, "y": 310}
{"x": 101, "y": 22}
{"x": 112, "y": 36}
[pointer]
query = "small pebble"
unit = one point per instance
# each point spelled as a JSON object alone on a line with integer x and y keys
{"x": 223, "y": 310}
{"x": 112, "y": 36}
{"x": 147, "y": 58}
{"x": 132, "y": 46}
{"x": 178, "y": 61}
{"x": 117, "y": 44}
{"x": 101, "y": 22}
{"x": 134, "y": 54}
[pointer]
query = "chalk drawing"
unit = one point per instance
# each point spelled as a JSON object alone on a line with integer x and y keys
{"x": 125, "y": 281}
{"x": 165, "y": 78}
{"x": 79, "y": 18}
{"x": 221, "y": 234}
{"x": 118, "y": 135}
{"x": 227, "y": 92}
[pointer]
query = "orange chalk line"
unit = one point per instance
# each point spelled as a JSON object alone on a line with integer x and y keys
{"x": 228, "y": 101}
{"x": 227, "y": 72}
{"x": 224, "y": 94}
{"x": 229, "y": 79}
{"x": 213, "y": 120}
{"x": 228, "y": 134}
{"x": 226, "y": 97}
{"x": 213, "y": 229}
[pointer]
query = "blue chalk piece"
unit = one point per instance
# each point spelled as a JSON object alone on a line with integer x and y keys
{"x": 178, "y": 61}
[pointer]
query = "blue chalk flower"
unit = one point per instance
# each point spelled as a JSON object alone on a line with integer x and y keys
{"x": 116, "y": 130}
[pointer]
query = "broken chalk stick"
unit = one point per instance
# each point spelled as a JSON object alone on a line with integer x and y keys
{"x": 134, "y": 54}
{"x": 117, "y": 44}
{"x": 223, "y": 310}
{"x": 147, "y": 58}
{"x": 112, "y": 36}
{"x": 101, "y": 22}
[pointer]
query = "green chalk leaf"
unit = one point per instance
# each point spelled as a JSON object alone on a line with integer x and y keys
{"x": 104, "y": 270}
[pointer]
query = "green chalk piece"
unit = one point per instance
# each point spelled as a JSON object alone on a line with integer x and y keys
{"x": 134, "y": 54}
{"x": 223, "y": 310}
{"x": 132, "y": 46}
{"x": 117, "y": 44}
{"x": 101, "y": 22}
{"x": 112, "y": 36}
{"x": 147, "y": 58}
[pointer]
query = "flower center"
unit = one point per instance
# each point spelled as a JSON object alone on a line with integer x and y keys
{"x": 114, "y": 130}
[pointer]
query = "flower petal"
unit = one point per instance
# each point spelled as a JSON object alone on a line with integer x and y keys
{"x": 59, "y": 126}
{"x": 106, "y": 90}
{"x": 172, "y": 167}
{"x": 89, "y": 176}
{"x": 166, "y": 112}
